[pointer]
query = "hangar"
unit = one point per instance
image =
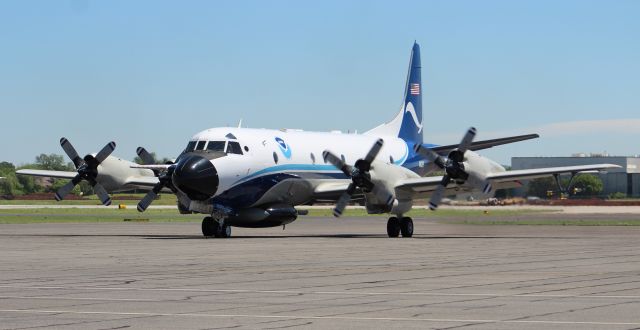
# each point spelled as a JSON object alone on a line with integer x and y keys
{"x": 625, "y": 179}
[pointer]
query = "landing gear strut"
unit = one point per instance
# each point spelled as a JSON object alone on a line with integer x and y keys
{"x": 215, "y": 228}
{"x": 403, "y": 226}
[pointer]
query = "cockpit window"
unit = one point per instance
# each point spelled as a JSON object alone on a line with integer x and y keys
{"x": 215, "y": 146}
{"x": 190, "y": 146}
{"x": 234, "y": 148}
{"x": 200, "y": 145}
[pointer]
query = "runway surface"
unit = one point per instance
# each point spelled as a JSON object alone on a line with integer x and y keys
{"x": 319, "y": 273}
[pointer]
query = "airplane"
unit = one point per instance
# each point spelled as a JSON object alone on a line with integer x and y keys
{"x": 244, "y": 177}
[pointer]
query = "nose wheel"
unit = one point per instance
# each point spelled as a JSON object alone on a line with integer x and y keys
{"x": 214, "y": 228}
{"x": 403, "y": 225}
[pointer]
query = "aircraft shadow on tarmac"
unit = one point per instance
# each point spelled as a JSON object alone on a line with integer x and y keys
{"x": 339, "y": 236}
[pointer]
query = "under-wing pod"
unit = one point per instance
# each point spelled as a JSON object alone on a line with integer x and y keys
{"x": 262, "y": 217}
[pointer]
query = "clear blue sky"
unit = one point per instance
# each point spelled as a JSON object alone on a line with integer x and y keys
{"x": 153, "y": 73}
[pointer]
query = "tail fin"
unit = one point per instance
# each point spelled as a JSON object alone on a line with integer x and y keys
{"x": 411, "y": 128}
{"x": 407, "y": 124}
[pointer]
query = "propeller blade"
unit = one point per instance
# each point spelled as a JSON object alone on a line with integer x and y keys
{"x": 183, "y": 199}
{"x": 344, "y": 200}
{"x": 480, "y": 183}
{"x": 431, "y": 155}
{"x": 467, "y": 139}
{"x": 66, "y": 189}
{"x": 373, "y": 152}
{"x": 487, "y": 187}
{"x": 149, "y": 197}
{"x": 105, "y": 152}
{"x": 146, "y": 157}
{"x": 71, "y": 152}
{"x": 438, "y": 194}
{"x": 102, "y": 194}
{"x": 337, "y": 162}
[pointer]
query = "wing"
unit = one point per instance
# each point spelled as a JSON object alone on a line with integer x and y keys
{"x": 544, "y": 172}
{"x": 423, "y": 187}
{"x": 143, "y": 182}
{"x": 479, "y": 145}
{"x": 329, "y": 190}
{"x": 49, "y": 174}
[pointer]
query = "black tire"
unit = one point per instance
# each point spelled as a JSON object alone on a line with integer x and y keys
{"x": 406, "y": 227}
{"x": 393, "y": 227}
{"x": 209, "y": 227}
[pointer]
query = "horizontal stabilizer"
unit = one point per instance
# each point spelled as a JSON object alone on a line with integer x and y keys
{"x": 486, "y": 144}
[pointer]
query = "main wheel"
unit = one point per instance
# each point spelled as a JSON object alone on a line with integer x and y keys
{"x": 223, "y": 231}
{"x": 209, "y": 227}
{"x": 406, "y": 227}
{"x": 393, "y": 227}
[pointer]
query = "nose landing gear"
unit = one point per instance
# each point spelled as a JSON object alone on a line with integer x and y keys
{"x": 403, "y": 226}
{"x": 215, "y": 228}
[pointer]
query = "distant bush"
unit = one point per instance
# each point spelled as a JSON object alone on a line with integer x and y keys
{"x": 617, "y": 195}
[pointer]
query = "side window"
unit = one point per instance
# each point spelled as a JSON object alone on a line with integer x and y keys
{"x": 275, "y": 157}
{"x": 200, "y": 145}
{"x": 234, "y": 148}
{"x": 313, "y": 158}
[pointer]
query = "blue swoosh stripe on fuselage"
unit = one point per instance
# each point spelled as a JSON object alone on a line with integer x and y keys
{"x": 326, "y": 170}
{"x": 316, "y": 169}
{"x": 261, "y": 181}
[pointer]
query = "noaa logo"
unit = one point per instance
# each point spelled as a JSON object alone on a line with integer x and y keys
{"x": 284, "y": 147}
{"x": 412, "y": 111}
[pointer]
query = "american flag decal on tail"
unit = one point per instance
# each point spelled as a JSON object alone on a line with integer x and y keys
{"x": 415, "y": 89}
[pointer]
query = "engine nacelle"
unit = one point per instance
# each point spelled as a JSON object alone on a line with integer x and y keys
{"x": 478, "y": 168}
{"x": 113, "y": 171}
{"x": 269, "y": 216}
{"x": 385, "y": 175}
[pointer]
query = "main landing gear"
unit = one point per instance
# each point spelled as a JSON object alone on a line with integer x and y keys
{"x": 397, "y": 226}
{"x": 215, "y": 228}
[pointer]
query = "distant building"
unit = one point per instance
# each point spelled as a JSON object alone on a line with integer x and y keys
{"x": 625, "y": 179}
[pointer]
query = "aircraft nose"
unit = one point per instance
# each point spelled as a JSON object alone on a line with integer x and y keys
{"x": 196, "y": 176}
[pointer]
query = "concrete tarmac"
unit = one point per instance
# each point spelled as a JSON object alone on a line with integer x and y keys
{"x": 319, "y": 273}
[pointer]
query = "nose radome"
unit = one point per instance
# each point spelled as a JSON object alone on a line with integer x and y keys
{"x": 196, "y": 176}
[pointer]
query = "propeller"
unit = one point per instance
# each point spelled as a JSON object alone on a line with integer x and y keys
{"x": 360, "y": 177}
{"x": 454, "y": 168}
{"x": 164, "y": 180}
{"x": 87, "y": 168}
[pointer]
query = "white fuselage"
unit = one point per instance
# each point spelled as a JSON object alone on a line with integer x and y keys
{"x": 292, "y": 152}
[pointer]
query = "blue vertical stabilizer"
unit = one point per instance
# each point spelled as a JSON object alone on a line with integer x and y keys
{"x": 411, "y": 127}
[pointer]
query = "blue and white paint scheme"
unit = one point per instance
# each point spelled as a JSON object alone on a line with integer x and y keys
{"x": 257, "y": 177}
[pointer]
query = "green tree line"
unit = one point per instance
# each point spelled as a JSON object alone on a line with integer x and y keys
{"x": 16, "y": 185}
